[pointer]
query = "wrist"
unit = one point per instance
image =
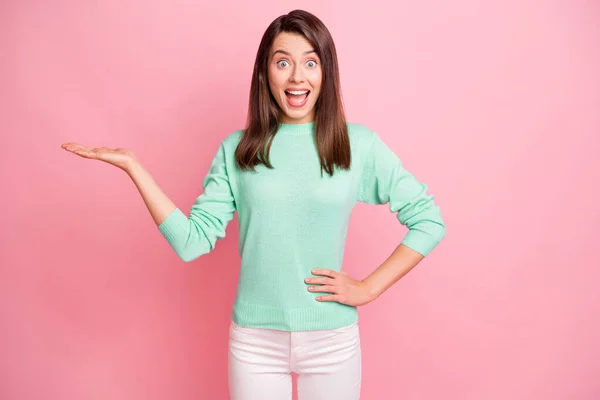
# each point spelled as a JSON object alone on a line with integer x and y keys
{"x": 371, "y": 292}
{"x": 133, "y": 167}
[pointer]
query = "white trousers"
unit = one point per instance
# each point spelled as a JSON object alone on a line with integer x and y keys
{"x": 328, "y": 363}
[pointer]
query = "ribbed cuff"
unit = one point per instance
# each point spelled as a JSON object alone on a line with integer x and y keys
{"x": 173, "y": 226}
{"x": 422, "y": 242}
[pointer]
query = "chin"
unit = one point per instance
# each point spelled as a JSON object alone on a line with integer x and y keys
{"x": 298, "y": 116}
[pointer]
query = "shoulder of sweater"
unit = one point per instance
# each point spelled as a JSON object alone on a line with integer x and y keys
{"x": 358, "y": 129}
{"x": 361, "y": 137}
{"x": 231, "y": 140}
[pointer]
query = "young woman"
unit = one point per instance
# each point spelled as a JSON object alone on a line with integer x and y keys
{"x": 294, "y": 175}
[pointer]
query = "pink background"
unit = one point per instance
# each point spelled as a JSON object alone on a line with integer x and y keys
{"x": 495, "y": 105}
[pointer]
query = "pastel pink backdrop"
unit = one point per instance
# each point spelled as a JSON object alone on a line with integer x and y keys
{"x": 495, "y": 105}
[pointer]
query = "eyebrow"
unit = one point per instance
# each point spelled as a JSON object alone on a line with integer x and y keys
{"x": 289, "y": 54}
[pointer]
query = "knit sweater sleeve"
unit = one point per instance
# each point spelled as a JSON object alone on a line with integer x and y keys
{"x": 196, "y": 235}
{"x": 384, "y": 180}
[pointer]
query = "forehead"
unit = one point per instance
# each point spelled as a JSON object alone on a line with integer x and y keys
{"x": 293, "y": 43}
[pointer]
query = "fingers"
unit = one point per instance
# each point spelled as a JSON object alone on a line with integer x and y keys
{"x": 80, "y": 150}
{"x": 325, "y": 272}
{"x": 73, "y": 147}
{"x": 324, "y": 281}
{"x": 332, "y": 297}
{"x": 324, "y": 289}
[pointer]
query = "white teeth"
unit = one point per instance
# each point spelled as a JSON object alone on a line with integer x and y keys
{"x": 297, "y": 92}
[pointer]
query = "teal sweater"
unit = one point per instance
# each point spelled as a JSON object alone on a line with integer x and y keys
{"x": 293, "y": 220}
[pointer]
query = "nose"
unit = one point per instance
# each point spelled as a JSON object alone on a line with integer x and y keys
{"x": 297, "y": 74}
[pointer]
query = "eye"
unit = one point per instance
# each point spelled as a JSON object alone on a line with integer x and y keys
{"x": 311, "y": 63}
{"x": 282, "y": 63}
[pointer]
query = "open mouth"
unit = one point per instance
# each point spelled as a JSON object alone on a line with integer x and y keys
{"x": 297, "y": 98}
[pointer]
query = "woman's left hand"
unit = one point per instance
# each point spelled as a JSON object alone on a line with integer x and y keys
{"x": 343, "y": 288}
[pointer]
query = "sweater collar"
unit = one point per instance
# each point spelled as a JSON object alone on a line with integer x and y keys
{"x": 297, "y": 129}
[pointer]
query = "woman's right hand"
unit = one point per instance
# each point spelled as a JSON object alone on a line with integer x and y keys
{"x": 122, "y": 158}
{"x": 159, "y": 205}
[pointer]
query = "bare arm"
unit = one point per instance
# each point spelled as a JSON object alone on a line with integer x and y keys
{"x": 398, "y": 264}
{"x": 157, "y": 202}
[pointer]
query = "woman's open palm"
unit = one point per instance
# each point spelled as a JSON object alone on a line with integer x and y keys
{"x": 122, "y": 158}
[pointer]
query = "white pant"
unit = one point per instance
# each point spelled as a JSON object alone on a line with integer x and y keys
{"x": 328, "y": 363}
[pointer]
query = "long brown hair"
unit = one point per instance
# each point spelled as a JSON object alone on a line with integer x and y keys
{"x": 331, "y": 132}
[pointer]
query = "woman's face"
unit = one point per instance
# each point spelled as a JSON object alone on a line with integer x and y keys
{"x": 294, "y": 77}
